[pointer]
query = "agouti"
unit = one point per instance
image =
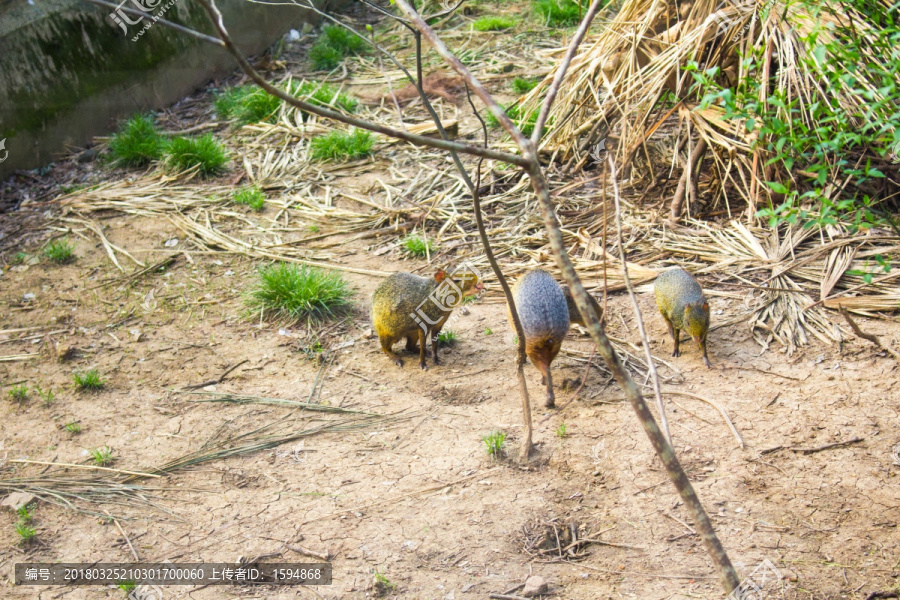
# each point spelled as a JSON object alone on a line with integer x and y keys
{"x": 683, "y": 305}
{"x": 542, "y": 309}
{"x": 413, "y": 307}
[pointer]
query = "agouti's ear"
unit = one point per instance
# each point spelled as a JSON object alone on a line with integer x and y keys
{"x": 440, "y": 276}
{"x": 706, "y": 306}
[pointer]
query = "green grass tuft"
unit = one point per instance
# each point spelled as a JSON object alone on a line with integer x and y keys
{"x": 341, "y": 145}
{"x": 560, "y": 13}
{"x": 252, "y": 197}
{"x": 60, "y": 251}
{"x": 126, "y": 586}
{"x": 291, "y": 293}
{"x": 447, "y": 337}
{"x": 206, "y": 151}
{"x": 73, "y": 428}
{"x": 26, "y": 533}
{"x": 246, "y": 104}
{"x": 19, "y": 393}
{"x": 138, "y": 142}
{"x": 89, "y": 380}
{"x": 417, "y": 245}
{"x": 495, "y": 442}
{"x": 561, "y": 430}
{"x": 47, "y": 397}
{"x": 324, "y": 95}
{"x": 488, "y": 331}
{"x": 102, "y": 455}
{"x": 18, "y": 258}
{"x": 332, "y": 46}
{"x": 523, "y": 85}
{"x": 493, "y": 23}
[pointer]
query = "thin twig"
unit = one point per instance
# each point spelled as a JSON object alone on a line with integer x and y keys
{"x": 218, "y": 380}
{"x": 651, "y": 365}
{"x": 91, "y": 467}
{"x": 868, "y": 336}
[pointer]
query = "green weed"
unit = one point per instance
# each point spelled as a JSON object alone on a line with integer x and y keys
{"x": 73, "y": 428}
{"x": 102, "y": 455}
{"x": 291, "y": 293}
{"x": 252, "y": 197}
{"x": 333, "y": 45}
{"x": 324, "y": 95}
{"x": 525, "y": 125}
{"x": 560, "y": 13}
{"x": 47, "y": 397}
{"x": 492, "y": 23}
{"x": 60, "y": 251}
{"x": 495, "y": 442}
{"x": 19, "y": 393}
{"x": 26, "y": 533}
{"x": 138, "y": 142}
{"x": 447, "y": 337}
{"x": 340, "y": 145}
{"x": 523, "y": 85}
{"x": 18, "y": 258}
{"x": 417, "y": 245}
{"x": 561, "y": 431}
{"x": 206, "y": 151}
{"x": 89, "y": 380}
{"x": 246, "y": 104}
{"x": 488, "y": 331}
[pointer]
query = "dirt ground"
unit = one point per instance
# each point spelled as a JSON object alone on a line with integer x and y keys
{"x": 417, "y": 499}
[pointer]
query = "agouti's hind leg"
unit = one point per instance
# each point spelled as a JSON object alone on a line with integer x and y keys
{"x": 677, "y": 335}
{"x": 541, "y": 356}
{"x": 423, "y": 337}
{"x": 411, "y": 343}
{"x": 386, "y": 343}
{"x": 674, "y": 333}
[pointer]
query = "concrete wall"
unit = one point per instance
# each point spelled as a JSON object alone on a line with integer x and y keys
{"x": 68, "y": 73}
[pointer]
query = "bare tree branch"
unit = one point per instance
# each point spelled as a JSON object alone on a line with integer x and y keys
{"x": 561, "y": 72}
{"x": 470, "y": 79}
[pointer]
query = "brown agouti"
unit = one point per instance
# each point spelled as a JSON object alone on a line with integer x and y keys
{"x": 542, "y": 310}
{"x": 413, "y": 307}
{"x": 683, "y": 305}
{"x": 574, "y": 314}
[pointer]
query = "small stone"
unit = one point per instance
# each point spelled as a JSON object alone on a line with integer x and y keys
{"x": 464, "y": 310}
{"x": 294, "y": 35}
{"x": 17, "y": 500}
{"x": 534, "y": 586}
{"x": 65, "y": 352}
{"x": 171, "y": 243}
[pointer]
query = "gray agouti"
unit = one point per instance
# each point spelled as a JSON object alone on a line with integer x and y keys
{"x": 574, "y": 313}
{"x": 681, "y": 301}
{"x": 544, "y": 313}
{"x": 412, "y": 307}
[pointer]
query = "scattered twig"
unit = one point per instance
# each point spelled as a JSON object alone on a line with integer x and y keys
{"x": 218, "y": 380}
{"x": 887, "y": 594}
{"x": 868, "y": 336}
{"x": 124, "y": 535}
{"x": 855, "y": 440}
{"x": 323, "y": 556}
{"x": 91, "y": 467}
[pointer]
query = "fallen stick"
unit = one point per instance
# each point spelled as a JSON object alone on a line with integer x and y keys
{"x": 868, "y": 336}
{"x": 216, "y": 381}
{"x": 301, "y": 550}
{"x": 71, "y": 466}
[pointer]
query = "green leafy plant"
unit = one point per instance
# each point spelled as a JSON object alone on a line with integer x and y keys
{"x": 493, "y": 23}
{"x": 73, "y": 428}
{"x": 488, "y": 331}
{"x": 102, "y": 455}
{"x": 126, "y": 586}
{"x": 19, "y": 393}
{"x": 557, "y": 13}
{"x": 495, "y": 442}
{"x": 340, "y": 145}
{"x": 830, "y": 136}
{"x": 60, "y": 251}
{"x": 447, "y": 337}
{"x": 18, "y": 258}
{"x": 206, "y": 151}
{"x": 137, "y": 143}
{"x": 382, "y": 584}
{"x": 523, "y": 85}
{"x": 24, "y": 514}
{"x": 333, "y": 45}
{"x": 417, "y": 245}
{"x": 313, "y": 228}
{"x": 89, "y": 380}
{"x": 561, "y": 430}
{"x": 252, "y": 197}
{"x": 292, "y": 293}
